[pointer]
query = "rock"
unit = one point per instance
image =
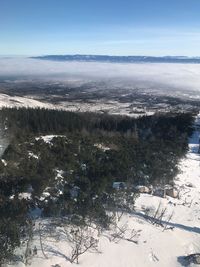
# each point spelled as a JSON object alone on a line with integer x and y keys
{"x": 151, "y": 189}
{"x": 167, "y": 190}
{"x": 159, "y": 192}
{"x": 142, "y": 189}
{"x": 193, "y": 258}
{"x": 197, "y": 259}
{"x": 171, "y": 192}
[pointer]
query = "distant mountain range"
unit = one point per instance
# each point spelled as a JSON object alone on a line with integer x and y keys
{"x": 121, "y": 59}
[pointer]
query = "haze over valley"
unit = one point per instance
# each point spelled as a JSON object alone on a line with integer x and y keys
{"x": 117, "y": 88}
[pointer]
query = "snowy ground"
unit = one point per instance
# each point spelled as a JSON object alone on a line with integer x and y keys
{"x": 153, "y": 245}
{"x": 112, "y": 107}
{"x": 17, "y": 101}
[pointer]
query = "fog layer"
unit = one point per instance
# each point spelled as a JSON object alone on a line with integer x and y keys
{"x": 182, "y": 77}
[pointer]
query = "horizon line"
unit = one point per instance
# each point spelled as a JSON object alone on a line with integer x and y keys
{"x": 105, "y": 55}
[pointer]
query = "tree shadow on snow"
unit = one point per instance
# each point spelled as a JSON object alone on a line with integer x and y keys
{"x": 170, "y": 224}
{"x": 55, "y": 252}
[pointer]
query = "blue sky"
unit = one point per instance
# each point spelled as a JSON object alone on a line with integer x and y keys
{"x": 115, "y": 27}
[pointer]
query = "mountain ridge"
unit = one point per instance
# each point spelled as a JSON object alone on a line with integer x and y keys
{"x": 120, "y": 59}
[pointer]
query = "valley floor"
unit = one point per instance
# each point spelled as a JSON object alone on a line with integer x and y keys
{"x": 152, "y": 245}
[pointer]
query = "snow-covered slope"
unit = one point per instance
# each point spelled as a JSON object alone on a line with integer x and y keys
{"x": 17, "y": 101}
{"x": 152, "y": 244}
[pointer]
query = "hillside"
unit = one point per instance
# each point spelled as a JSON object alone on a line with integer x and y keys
{"x": 163, "y": 244}
{"x": 75, "y": 179}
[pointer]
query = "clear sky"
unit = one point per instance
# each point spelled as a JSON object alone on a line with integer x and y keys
{"x": 114, "y": 27}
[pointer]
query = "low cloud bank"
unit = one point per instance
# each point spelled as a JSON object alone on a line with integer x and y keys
{"x": 182, "y": 77}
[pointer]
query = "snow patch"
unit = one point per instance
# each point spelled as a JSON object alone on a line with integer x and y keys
{"x": 48, "y": 138}
{"x": 25, "y": 195}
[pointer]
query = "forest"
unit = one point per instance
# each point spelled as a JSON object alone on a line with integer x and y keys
{"x": 66, "y": 163}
